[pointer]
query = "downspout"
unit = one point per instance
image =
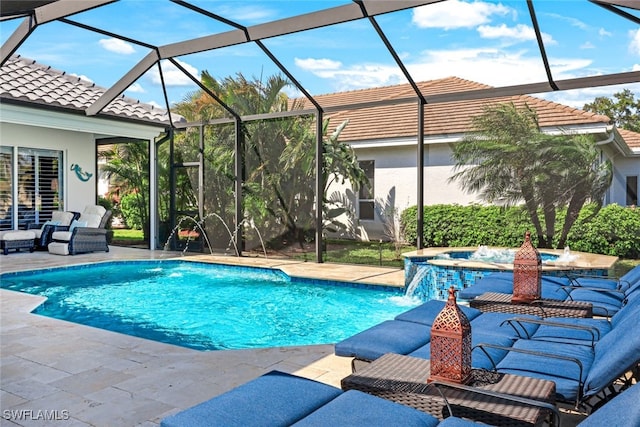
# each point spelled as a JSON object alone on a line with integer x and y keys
{"x": 607, "y": 140}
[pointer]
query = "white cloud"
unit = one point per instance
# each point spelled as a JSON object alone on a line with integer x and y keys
{"x": 572, "y": 21}
{"x": 587, "y": 45}
{"x": 312, "y": 64}
{"x": 253, "y": 13}
{"x": 634, "y": 46}
{"x": 520, "y": 32}
{"x": 348, "y": 78}
{"x": 604, "y": 33}
{"x": 117, "y": 46}
{"x": 136, "y": 88}
{"x": 457, "y": 14}
{"x": 172, "y": 75}
{"x": 82, "y": 77}
{"x": 578, "y": 97}
{"x": 489, "y": 66}
{"x": 156, "y": 105}
{"x": 636, "y": 67}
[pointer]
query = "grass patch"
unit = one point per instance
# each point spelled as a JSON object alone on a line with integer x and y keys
{"x": 362, "y": 253}
{"x": 127, "y": 236}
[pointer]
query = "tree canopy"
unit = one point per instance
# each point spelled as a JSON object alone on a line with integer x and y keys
{"x": 623, "y": 108}
{"x": 508, "y": 160}
{"x": 278, "y": 157}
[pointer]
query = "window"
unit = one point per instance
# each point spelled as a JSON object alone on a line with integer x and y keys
{"x": 39, "y": 185}
{"x": 6, "y": 184}
{"x": 632, "y": 190}
{"x": 367, "y": 192}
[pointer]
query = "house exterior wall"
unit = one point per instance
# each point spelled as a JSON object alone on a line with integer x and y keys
{"x": 75, "y": 135}
{"x": 78, "y": 149}
{"x": 622, "y": 168}
{"x": 395, "y": 183}
{"x": 395, "y": 180}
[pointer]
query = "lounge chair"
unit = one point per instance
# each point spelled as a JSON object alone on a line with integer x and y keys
{"x": 280, "y": 399}
{"x": 606, "y": 295}
{"x": 86, "y": 234}
{"x": 623, "y": 282}
{"x": 409, "y": 333}
{"x": 502, "y": 282}
{"x": 606, "y": 302}
{"x": 621, "y": 411}
{"x": 580, "y": 331}
{"x": 580, "y": 372}
{"x": 60, "y": 221}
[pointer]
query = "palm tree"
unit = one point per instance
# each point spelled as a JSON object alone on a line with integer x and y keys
{"x": 279, "y": 160}
{"x": 129, "y": 164}
{"x": 507, "y": 159}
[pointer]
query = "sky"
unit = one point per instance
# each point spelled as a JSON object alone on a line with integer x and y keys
{"x": 490, "y": 42}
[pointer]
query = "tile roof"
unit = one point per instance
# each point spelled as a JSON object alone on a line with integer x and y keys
{"x": 26, "y": 80}
{"x": 447, "y": 118}
{"x": 631, "y": 138}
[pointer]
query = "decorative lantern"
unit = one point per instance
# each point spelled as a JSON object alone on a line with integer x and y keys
{"x": 451, "y": 344}
{"x": 527, "y": 272}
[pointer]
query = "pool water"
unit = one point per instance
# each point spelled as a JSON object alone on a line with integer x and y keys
{"x": 207, "y": 306}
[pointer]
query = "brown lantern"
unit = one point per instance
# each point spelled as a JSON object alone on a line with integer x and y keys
{"x": 527, "y": 272}
{"x": 451, "y": 344}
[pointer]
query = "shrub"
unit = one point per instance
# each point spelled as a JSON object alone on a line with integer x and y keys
{"x": 131, "y": 211}
{"x": 615, "y": 230}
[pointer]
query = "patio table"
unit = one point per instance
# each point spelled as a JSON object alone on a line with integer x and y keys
{"x": 403, "y": 379}
{"x": 498, "y": 302}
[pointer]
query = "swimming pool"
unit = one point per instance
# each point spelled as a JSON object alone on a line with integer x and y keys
{"x": 208, "y": 306}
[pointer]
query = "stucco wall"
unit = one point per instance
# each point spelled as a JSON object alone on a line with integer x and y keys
{"x": 78, "y": 149}
{"x": 396, "y": 181}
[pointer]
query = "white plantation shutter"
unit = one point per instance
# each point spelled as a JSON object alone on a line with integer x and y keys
{"x": 39, "y": 185}
{"x": 6, "y": 184}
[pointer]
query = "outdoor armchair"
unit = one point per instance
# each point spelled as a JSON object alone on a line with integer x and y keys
{"x": 86, "y": 234}
{"x": 60, "y": 221}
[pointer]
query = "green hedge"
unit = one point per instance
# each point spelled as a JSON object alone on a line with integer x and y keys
{"x": 615, "y": 230}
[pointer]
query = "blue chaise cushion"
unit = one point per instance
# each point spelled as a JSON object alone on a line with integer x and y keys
{"x": 274, "y": 399}
{"x": 391, "y": 336}
{"x": 565, "y": 373}
{"x": 479, "y": 359}
{"x": 426, "y": 313}
{"x": 623, "y": 410}
{"x": 357, "y": 409}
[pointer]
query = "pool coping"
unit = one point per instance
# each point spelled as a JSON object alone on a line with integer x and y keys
{"x": 102, "y": 378}
{"x": 584, "y": 261}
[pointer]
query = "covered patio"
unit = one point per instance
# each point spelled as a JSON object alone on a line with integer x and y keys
{"x": 228, "y": 33}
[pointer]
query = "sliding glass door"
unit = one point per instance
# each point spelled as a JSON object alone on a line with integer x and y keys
{"x": 34, "y": 190}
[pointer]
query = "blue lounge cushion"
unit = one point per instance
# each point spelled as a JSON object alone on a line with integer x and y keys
{"x": 391, "y": 336}
{"x": 496, "y": 323}
{"x": 274, "y": 399}
{"x": 426, "y": 313}
{"x": 566, "y": 374}
{"x": 615, "y": 354}
{"x": 605, "y": 303}
{"x": 623, "y": 411}
{"x": 479, "y": 359}
{"x": 458, "y": 422}
{"x": 597, "y": 328}
{"x": 502, "y": 282}
{"x": 627, "y": 280}
{"x": 357, "y": 409}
